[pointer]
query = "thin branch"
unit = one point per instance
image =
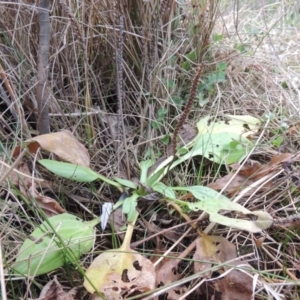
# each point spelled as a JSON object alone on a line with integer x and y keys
{"x": 42, "y": 93}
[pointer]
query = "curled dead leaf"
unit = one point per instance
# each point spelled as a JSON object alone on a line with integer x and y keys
{"x": 260, "y": 241}
{"x": 62, "y": 143}
{"x": 234, "y": 280}
{"x": 54, "y": 291}
{"x": 27, "y": 187}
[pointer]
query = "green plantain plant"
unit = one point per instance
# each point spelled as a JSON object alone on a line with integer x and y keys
{"x": 222, "y": 140}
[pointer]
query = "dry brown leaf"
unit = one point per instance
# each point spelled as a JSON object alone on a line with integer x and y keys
{"x": 117, "y": 221}
{"x": 167, "y": 272}
{"x": 27, "y": 187}
{"x": 54, "y": 291}
{"x": 205, "y": 251}
{"x": 251, "y": 172}
{"x": 118, "y": 274}
{"x": 236, "y": 284}
{"x": 50, "y": 206}
{"x": 152, "y": 228}
{"x": 259, "y": 241}
{"x": 293, "y": 131}
{"x": 62, "y": 143}
{"x": 238, "y": 181}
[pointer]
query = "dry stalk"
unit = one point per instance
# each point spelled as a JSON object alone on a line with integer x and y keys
{"x": 120, "y": 91}
{"x": 79, "y": 34}
{"x": 155, "y": 23}
{"x": 120, "y": 82}
{"x": 188, "y": 106}
{"x": 42, "y": 93}
{"x": 66, "y": 10}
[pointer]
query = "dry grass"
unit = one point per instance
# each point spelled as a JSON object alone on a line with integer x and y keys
{"x": 259, "y": 45}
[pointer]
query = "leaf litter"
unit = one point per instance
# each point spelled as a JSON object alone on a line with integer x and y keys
{"x": 123, "y": 272}
{"x": 167, "y": 271}
{"x": 247, "y": 174}
{"x": 66, "y": 147}
{"x": 53, "y": 290}
{"x": 232, "y": 279}
{"x": 28, "y": 187}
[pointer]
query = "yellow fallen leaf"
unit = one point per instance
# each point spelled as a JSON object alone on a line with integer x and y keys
{"x": 122, "y": 272}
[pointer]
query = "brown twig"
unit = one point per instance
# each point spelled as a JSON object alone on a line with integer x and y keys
{"x": 42, "y": 93}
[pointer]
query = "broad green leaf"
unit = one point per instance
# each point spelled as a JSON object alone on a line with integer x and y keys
{"x": 125, "y": 182}
{"x": 222, "y": 148}
{"x": 201, "y": 192}
{"x": 217, "y": 37}
{"x": 222, "y": 66}
{"x": 216, "y": 77}
{"x": 186, "y": 65}
{"x": 163, "y": 165}
{"x": 190, "y": 57}
{"x": 75, "y": 172}
{"x": 278, "y": 141}
{"x": 144, "y": 166}
{"x": 155, "y": 177}
{"x": 166, "y": 139}
{"x": 121, "y": 200}
{"x": 241, "y": 125}
{"x": 182, "y": 151}
{"x": 220, "y": 139}
{"x": 43, "y": 251}
{"x": 69, "y": 171}
{"x": 224, "y": 139}
{"x": 129, "y": 206}
{"x": 155, "y": 125}
{"x": 161, "y": 113}
{"x": 212, "y": 206}
{"x": 216, "y": 147}
{"x": 164, "y": 190}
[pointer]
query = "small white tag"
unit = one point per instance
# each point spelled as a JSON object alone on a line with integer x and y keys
{"x": 106, "y": 210}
